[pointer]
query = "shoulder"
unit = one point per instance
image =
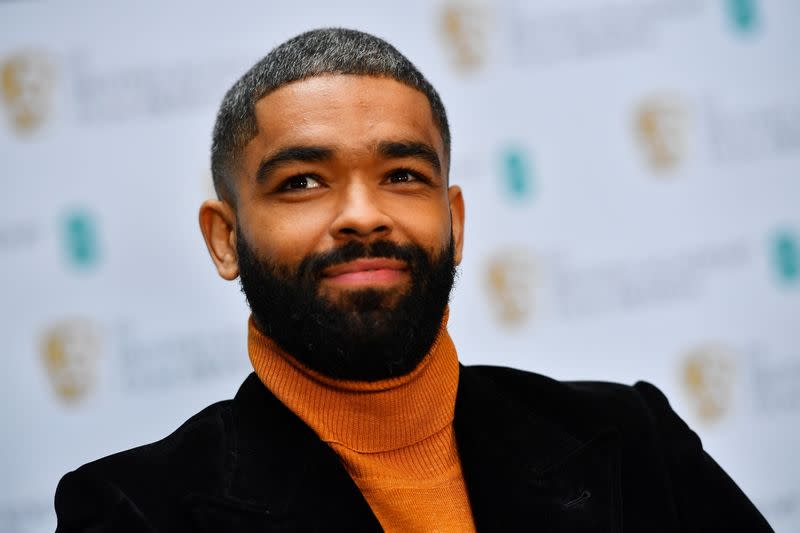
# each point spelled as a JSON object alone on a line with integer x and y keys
{"x": 147, "y": 475}
{"x": 203, "y": 433}
{"x": 577, "y": 404}
{"x": 530, "y": 386}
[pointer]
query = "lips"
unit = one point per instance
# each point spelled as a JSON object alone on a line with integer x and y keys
{"x": 367, "y": 271}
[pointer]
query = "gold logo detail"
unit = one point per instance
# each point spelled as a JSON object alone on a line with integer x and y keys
{"x": 708, "y": 376}
{"x": 27, "y": 85}
{"x": 465, "y": 33}
{"x": 511, "y": 281}
{"x": 70, "y": 350}
{"x": 661, "y": 128}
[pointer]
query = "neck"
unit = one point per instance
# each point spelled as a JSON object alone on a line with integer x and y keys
{"x": 364, "y": 416}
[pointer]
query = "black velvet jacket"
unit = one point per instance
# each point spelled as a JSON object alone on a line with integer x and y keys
{"x": 537, "y": 455}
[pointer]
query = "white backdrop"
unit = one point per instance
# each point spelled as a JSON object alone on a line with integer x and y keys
{"x": 630, "y": 169}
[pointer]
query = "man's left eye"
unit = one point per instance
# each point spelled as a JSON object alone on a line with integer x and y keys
{"x": 403, "y": 176}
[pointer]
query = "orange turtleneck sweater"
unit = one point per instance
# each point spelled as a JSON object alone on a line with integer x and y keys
{"x": 395, "y": 437}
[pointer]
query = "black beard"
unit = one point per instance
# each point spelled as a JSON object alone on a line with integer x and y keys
{"x": 367, "y": 334}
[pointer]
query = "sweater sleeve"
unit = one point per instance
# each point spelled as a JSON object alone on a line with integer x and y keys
{"x": 86, "y": 504}
{"x": 706, "y": 498}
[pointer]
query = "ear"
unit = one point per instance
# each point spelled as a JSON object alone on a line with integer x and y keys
{"x": 457, "y": 219}
{"x": 218, "y": 224}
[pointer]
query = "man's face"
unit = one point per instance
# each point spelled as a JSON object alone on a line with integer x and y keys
{"x": 345, "y": 218}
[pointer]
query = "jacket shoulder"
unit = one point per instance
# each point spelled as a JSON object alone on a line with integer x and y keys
{"x": 532, "y": 388}
{"x": 203, "y": 433}
{"x": 583, "y": 407}
{"x": 120, "y": 490}
{"x": 652, "y": 438}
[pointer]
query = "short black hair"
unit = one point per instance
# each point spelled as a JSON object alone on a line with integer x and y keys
{"x": 313, "y": 53}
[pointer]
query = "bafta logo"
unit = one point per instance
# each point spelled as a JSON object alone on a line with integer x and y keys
{"x": 708, "y": 376}
{"x": 81, "y": 242}
{"x": 70, "y": 350}
{"x": 465, "y": 33}
{"x": 517, "y": 174}
{"x": 743, "y": 15}
{"x": 511, "y": 281}
{"x": 786, "y": 256}
{"x": 27, "y": 85}
{"x": 661, "y": 125}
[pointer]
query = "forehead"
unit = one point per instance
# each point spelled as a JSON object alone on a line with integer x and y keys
{"x": 347, "y": 111}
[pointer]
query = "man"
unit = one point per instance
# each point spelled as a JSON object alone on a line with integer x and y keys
{"x": 330, "y": 159}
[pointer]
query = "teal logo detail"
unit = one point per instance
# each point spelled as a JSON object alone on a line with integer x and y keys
{"x": 786, "y": 257}
{"x": 743, "y": 15}
{"x": 517, "y": 175}
{"x": 79, "y": 234}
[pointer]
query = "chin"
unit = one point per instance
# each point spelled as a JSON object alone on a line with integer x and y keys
{"x": 364, "y": 300}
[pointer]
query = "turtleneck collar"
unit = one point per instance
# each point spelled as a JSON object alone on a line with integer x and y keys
{"x": 364, "y": 416}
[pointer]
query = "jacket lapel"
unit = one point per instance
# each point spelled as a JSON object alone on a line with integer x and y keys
{"x": 521, "y": 469}
{"x": 281, "y": 476}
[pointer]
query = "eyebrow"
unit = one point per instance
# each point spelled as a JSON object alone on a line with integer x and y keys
{"x": 315, "y": 154}
{"x": 292, "y": 154}
{"x": 418, "y": 150}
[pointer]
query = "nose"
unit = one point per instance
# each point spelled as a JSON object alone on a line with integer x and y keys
{"x": 360, "y": 215}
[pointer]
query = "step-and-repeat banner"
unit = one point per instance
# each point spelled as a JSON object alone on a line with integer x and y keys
{"x": 632, "y": 176}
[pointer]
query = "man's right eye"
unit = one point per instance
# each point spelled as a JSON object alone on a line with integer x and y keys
{"x": 300, "y": 182}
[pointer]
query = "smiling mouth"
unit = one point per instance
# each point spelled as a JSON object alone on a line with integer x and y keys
{"x": 367, "y": 272}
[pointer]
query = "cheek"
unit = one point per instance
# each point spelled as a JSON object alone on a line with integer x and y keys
{"x": 288, "y": 236}
{"x": 429, "y": 227}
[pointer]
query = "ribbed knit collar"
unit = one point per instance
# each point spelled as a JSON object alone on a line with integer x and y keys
{"x": 363, "y": 416}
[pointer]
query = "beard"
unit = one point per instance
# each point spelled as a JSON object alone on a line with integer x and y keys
{"x": 362, "y": 334}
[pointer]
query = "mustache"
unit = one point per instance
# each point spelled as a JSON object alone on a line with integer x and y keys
{"x": 314, "y": 265}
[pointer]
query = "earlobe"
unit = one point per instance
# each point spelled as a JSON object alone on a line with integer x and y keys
{"x": 457, "y": 219}
{"x": 218, "y": 225}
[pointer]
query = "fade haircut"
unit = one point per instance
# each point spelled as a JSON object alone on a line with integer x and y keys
{"x": 313, "y": 53}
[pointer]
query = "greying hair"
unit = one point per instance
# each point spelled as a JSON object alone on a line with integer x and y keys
{"x": 313, "y": 53}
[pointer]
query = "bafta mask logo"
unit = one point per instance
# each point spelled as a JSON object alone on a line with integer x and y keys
{"x": 511, "y": 284}
{"x": 70, "y": 350}
{"x": 708, "y": 378}
{"x": 786, "y": 257}
{"x": 661, "y": 125}
{"x": 465, "y": 33}
{"x": 27, "y": 86}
